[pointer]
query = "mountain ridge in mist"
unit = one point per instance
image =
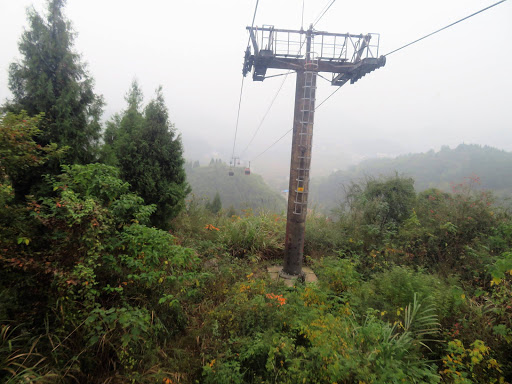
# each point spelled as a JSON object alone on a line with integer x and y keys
{"x": 441, "y": 169}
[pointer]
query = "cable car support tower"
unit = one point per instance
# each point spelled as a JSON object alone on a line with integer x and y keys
{"x": 346, "y": 57}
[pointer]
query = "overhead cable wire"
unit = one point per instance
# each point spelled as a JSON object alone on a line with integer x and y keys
{"x": 323, "y": 77}
{"x": 287, "y": 132}
{"x": 274, "y": 143}
{"x": 237, "y": 117}
{"x": 424, "y": 37}
{"x": 242, "y": 86}
{"x": 327, "y": 98}
{"x": 302, "y": 18}
{"x": 278, "y": 75}
{"x": 252, "y": 23}
{"x": 324, "y": 12}
{"x": 266, "y": 113}
{"x": 448, "y": 26}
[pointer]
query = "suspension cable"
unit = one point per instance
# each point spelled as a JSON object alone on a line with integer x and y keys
{"x": 242, "y": 86}
{"x": 302, "y": 18}
{"x": 266, "y": 113}
{"x": 424, "y": 37}
{"x": 318, "y": 18}
{"x": 287, "y": 132}
{"x": 327, "y": 98}
{"x": 237, "y": 117}
{"x": 323, "y": 77}
{"x": 448, "y": 26}
{"x": 278, "y": 75}
{"x": 271, "y": 145}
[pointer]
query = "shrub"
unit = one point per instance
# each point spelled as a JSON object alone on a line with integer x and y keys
{"x": 117, "y": 283}
{"x": 470, "y": 365}
{"x": 339, "y": 275}
{"x": 390, "y": 291}
{"x": 377, "y": 207}
{"x": 259, "y": 235}
{"x": 452, "y": 230}
{"x": 324, "y": 237}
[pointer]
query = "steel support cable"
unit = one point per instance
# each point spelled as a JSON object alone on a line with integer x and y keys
{"x": 267, "y": 112}
{"x": 424, "y": 37}
{"x": 242, "y": 86}
{"x": 238, "y": 117}
{"x": 271, "y": 145}
{"x": 448, "y": 26}
{"x": 327, "y": 98}
{"x": 323, "y": 77}
{"x": 302, "y": 19}
{"x": 278, "y": 75}
{"x": 282, "y": 137}
{"x": 318, "y": 18}
{"x": 253, "y": 18}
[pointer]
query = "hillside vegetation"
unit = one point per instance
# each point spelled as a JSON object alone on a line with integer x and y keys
{"x": 412, "y": 288}
{"x": 442, "y": 170}
{"x": 237, "y": 192}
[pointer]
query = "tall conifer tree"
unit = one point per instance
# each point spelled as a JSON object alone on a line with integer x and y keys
{"x": 144, "y": 145}
{"x": 51, "y": 78}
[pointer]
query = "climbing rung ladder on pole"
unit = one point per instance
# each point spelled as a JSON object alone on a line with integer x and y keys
{"x": 305, "y": 135}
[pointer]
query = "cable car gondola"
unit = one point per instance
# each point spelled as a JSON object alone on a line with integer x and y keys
{"x": 233, "y": 163}
{"x": 247, "y": 171}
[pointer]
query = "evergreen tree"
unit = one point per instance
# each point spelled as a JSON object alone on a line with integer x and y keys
{"x": 50, "y": 78}
{"x": 144, "y": 145}
{"x": 215, "y": 205}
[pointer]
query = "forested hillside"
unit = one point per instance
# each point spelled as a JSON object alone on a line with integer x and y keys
{"x": 443, "y": 169}
{"x": 238, "y": 192}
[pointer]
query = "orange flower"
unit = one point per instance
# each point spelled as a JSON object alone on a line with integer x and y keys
{"x": 279, "y": 298}
{"x": 210, "y": 227}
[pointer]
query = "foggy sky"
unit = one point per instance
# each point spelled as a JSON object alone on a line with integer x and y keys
{"x": 452, "y": 88}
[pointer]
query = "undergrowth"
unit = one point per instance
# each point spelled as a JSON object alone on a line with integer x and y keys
{"x": 412, "y": 288}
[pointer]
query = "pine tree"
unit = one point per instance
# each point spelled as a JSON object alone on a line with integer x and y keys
{"x": 144, "y": 145}
{"x": 216, "y": 205}
{"x": 51, "y": 78}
